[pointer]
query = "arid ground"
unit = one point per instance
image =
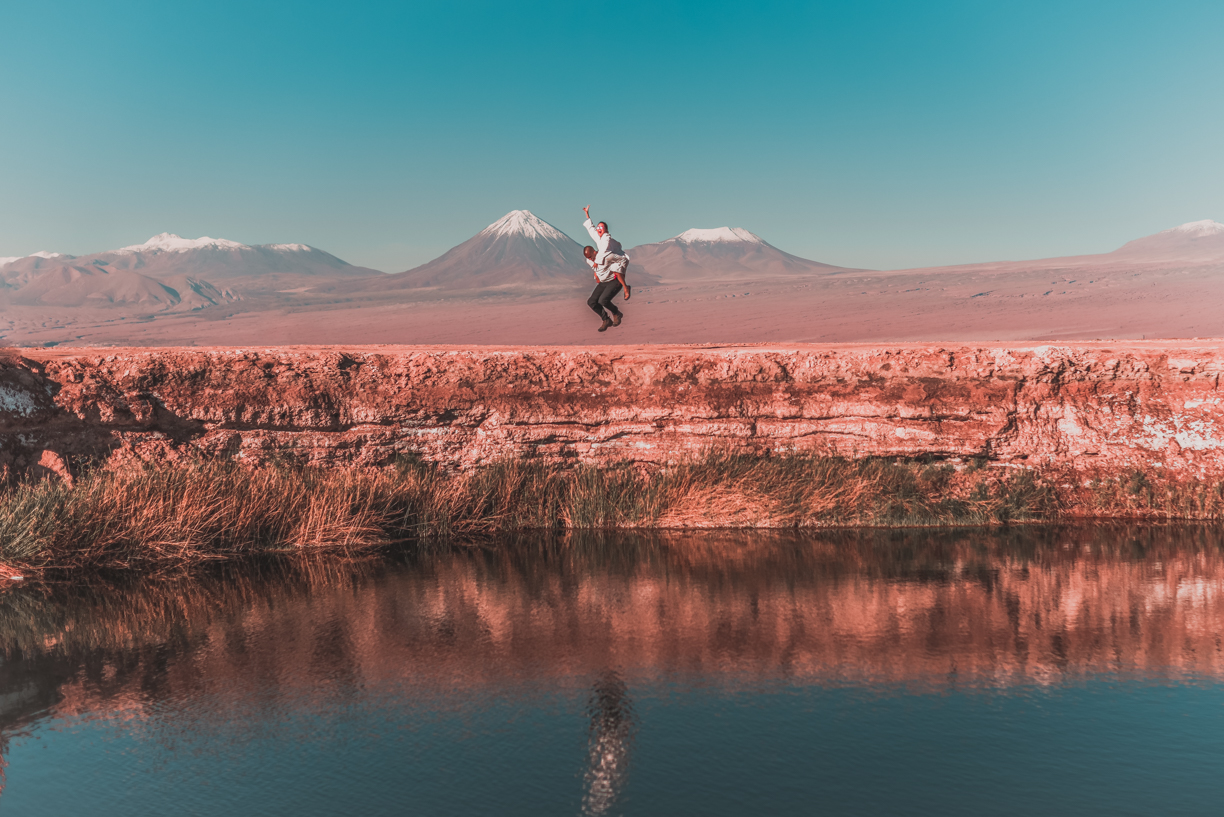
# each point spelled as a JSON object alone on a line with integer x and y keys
{"x": 974, "y": 304}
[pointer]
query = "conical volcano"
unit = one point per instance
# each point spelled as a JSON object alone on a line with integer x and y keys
{"x": 722, "y": 253}
{"x": 517, "y": 252}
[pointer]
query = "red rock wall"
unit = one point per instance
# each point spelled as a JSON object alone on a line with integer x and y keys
{"x": 1110, "y": 406}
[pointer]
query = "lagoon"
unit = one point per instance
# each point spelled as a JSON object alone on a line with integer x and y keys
{"x": 1022, "y": 671}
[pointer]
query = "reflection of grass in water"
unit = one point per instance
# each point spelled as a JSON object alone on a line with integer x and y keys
{"x": 127, "y": 610}
{"x": 129, "y": 613}
{"x": 77, "y": 639}
{"x": 215, "y": 509}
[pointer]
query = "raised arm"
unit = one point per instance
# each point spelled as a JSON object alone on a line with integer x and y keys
{"x": 590, "y": 228}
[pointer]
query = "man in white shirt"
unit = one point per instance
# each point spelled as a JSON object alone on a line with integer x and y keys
{"x": 609, "y": 264}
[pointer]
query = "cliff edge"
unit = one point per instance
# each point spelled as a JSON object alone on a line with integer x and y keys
{"x": 1104, "y": 407}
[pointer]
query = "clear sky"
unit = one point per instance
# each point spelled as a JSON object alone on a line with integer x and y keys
{"x": 866, "y": 133}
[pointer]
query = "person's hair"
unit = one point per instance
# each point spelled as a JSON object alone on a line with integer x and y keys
{"x": 607, "y": 229}
{"x": 588, "y": 251}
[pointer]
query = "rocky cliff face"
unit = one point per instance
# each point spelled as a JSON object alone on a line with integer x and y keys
{"x": 1095, "y": 407}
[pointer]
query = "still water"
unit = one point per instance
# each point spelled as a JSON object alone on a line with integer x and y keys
{"x": 1043, "y": 671}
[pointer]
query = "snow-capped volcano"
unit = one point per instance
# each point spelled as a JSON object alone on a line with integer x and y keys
{"x": 169, "y": 254}
{"x": 1194, "y": 241}
{"x": 524, "y": 223}
{"x": 1196, "y": 229}
{"x": 169, "y": 272}
{"x": 730, "y": 253}
{"x": 518, "y": 251}
{"x": 169, "y": 242}
{"x": 718, "y": 235}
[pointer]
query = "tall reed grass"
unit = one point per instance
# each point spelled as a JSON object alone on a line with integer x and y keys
{"x": 216, "y": 509}
{"x": 208, "y": 509}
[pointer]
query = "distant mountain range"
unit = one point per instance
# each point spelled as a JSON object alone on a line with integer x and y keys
{"x": 174, "y": 288}
{"x": 522, "y": 253}
{"x": 168, "y": 273}
{"x": 517, "y": 254}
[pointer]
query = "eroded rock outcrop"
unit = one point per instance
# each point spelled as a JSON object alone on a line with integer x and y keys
{"x": 1099, "y": 406}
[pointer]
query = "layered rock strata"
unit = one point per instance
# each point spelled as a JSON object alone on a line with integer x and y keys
{"x": 1087, "y": 406}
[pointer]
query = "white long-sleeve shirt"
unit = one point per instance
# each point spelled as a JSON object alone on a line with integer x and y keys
{"x": 611, "y": 265}
{"x": 604, "y": 244}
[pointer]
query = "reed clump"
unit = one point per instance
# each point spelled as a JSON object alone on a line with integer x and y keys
{"x": 1135, "y": 494}
{"x": 208, "y": 509}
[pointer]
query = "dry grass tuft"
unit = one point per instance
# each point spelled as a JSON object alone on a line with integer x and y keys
{"x": 211, "y": 509}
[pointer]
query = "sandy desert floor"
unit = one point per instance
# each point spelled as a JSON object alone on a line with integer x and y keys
{"x": 1186, "y": 347}
{"x": 996, "y": 302}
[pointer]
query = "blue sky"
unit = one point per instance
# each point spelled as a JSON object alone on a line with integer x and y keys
{"x": 873, "y": 133}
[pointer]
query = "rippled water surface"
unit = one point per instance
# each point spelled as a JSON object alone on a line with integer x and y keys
{"x": 1072, "y": 671}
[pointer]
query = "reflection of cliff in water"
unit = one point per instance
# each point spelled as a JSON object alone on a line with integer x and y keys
{"x": 930, "y": 609}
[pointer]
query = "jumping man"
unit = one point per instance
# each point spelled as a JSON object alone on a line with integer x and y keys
{"x": 609, "y": 263}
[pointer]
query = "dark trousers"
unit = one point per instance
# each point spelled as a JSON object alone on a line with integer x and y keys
{"x": 601, "y": 298}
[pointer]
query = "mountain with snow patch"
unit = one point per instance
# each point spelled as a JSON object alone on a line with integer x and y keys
{"x": 169, "y": 242}
{"x": 1196, "y": 241}
{"x": 720, "y": 253}
{"x": 718, "y": 235}
{"x": 168, "y": 273}
{"x": 519, "y": 252}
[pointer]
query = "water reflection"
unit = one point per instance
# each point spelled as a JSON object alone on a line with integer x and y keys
{"x": 935, "y": 611}
{"x": 612, "y": 725}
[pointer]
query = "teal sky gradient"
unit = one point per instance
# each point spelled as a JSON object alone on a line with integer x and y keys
{"x": 877, "y": 134}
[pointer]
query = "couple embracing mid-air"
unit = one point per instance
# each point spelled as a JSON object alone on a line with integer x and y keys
{"x": 608, "y": 261}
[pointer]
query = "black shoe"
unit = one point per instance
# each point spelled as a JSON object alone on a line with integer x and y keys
{"x": 616, "y": 319}
{"x": 603, "y": 327}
